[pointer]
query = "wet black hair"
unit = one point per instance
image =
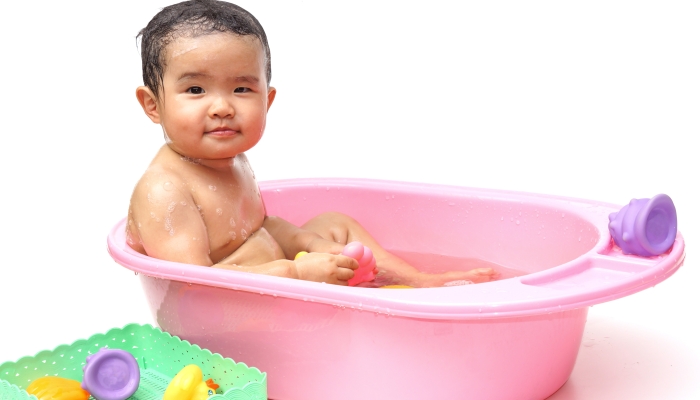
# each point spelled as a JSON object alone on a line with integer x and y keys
{"x": 193, "y": 18}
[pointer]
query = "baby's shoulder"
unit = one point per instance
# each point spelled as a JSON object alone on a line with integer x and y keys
{"x": 160, "y": 185}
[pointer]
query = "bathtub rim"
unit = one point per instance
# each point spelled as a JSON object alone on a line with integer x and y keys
{"x": 535, "y": 293}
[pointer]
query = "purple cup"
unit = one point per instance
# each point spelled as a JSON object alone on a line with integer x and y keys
{"x": 645, "y": 227}
{"x": 111, "y": 374}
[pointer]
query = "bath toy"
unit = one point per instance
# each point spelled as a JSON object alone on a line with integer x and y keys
{"x": 645, "y": 227}
{"x": 188, "y": 385}
{"x": 57, "y": 388}
{"x": 111, "y": 374}
{"x": 364, "y": 257}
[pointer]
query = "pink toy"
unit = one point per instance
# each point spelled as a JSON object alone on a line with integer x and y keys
{"x": 514, "y": 338}
{"x": 365, "y": 258}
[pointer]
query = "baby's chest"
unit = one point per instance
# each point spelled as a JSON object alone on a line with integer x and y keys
{"x": 231, "y": 213}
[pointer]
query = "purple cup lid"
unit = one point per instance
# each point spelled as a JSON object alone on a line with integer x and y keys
{"x": 111, "y": 374}
{"x": 645, "y": 227}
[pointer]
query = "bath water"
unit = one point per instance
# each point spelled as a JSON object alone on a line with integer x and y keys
{"x": 438, "y": 263}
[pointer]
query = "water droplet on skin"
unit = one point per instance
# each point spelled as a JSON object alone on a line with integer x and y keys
{"x": 168, "y": 186}
{"x": 517, "y": 222}
{"x": 171, "y": 207}
{"x": 244, "y": 234}
{"x": 219, "y": 211}
{"x": 232, "y": 222}
{"x": 150, "y": 199}
{"x": 232, "y": 234}
{"x": 183, "y": 202}
{"x": 169, "y": 226}
{"x": 212, "y": 187}
{"x": 153, "y": 215}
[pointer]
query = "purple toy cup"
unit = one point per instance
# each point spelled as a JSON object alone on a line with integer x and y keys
{"x": 111, "y": 374}
{"x": 645, "y": 227}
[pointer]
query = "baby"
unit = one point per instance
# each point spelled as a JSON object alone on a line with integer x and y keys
{"x": 206, "y": 71}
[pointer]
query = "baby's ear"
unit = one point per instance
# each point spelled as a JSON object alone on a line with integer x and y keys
{"x": 271, "y": 93}
{"x": 148, "y": 103}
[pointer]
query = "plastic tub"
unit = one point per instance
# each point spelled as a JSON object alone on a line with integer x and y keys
{"x": 515, "y": 338}
{"x": 159, "y": 355}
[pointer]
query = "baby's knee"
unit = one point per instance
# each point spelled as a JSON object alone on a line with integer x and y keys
{"x": 334, "y": 226}
{"x": 338, "y": 223}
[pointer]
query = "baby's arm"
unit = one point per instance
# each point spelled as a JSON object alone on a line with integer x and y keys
{"x": 166, "y": 221}
{"x": 168, "y": 225}
{"x": 261, "y": 249}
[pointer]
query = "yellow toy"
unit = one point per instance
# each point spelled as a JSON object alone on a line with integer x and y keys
{"x": 56, "y": 388}
{"x": 300, "y": 254}
{"x": 188, "y": 385}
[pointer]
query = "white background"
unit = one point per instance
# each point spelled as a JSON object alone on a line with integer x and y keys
{"x": 598, "y": 100}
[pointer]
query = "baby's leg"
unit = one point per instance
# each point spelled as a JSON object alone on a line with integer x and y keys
{"x": 343, "y": 229}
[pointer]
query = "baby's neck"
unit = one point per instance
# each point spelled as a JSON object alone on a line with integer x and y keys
{"x": 224, "y": 164}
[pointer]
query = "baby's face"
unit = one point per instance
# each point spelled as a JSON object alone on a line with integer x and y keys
{"x": 215, "y": 95}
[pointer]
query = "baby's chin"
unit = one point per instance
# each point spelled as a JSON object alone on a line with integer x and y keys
{"x": 223, "y": 160}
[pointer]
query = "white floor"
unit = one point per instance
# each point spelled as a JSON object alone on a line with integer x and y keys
{"x": 597, "y": 100}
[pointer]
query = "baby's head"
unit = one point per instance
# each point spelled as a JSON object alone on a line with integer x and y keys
{"x": 206, "y": 71}
{"x": 193, "y": 18}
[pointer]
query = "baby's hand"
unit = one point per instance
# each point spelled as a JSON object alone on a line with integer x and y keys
{"x": 325, "y": 267}
{"x": 321, "y": 245}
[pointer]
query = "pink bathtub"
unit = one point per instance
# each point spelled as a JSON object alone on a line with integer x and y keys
{"x": 515, "y": 338}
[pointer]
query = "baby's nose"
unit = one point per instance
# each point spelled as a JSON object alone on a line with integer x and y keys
{"x": 221, "y": 108}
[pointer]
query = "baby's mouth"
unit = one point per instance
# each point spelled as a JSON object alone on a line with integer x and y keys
{"x": 223, "y": 132}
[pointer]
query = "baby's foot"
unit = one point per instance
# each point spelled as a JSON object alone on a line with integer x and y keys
{"x": 456, "y": 278}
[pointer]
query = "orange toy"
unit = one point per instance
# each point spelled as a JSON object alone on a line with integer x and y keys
{"x": 56, "y": 388}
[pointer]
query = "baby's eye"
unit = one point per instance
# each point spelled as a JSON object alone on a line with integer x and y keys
{"x": 241, "y": 90}
{"x": 195, "y": 90}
